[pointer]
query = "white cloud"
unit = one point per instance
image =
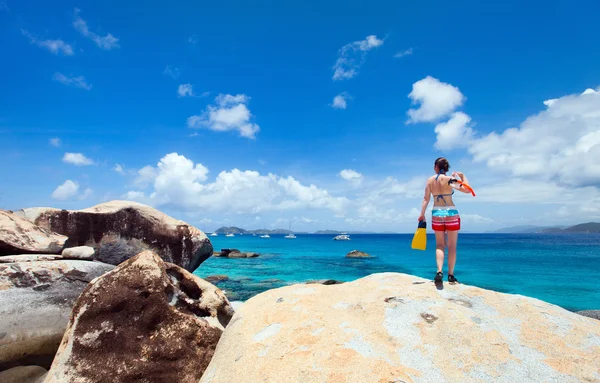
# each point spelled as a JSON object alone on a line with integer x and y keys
{"x": 437, "y": 99}
{"x": 403, "y": 53}
{"x": 352, "y": 56}
{"x": 339, "y": 101}
{"x": 454, "y": 133}
{"x": 86, "y": 194}
{"x": 560, "y": 143}
{"x": 54, "y": 46}
{"x": 70, "y": 190}
{"x": 193, "y": 39}
{"x": 146, "y": 176}
{"x": 171, "y": 71}
{"x": 351, "y": 175}
{"x": 230, "y": 113}
{"x": 181, "y": 184}
{"x": 55, "y": 142}
{"x": 105, "y": 42}
{"x": 78, "y": 82}
{"x": 67, "y": 190}
{"x": 185, "y": 90}
{"x": 119, "y": 169}
{"x": 77, "y": 159}
{"x": 476, "y": 218}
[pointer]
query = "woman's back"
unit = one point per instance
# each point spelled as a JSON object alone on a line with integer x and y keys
{"x": 441, "y": 190}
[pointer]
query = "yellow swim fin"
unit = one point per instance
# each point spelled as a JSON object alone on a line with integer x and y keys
{"x": 419, "y": 241}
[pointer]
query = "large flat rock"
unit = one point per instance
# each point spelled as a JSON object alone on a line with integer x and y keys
{"x": 118, "y": 230}
{"x": 145, "y": 321}
{"x": 36, "y": 299}
{"x": 398, "y": 328}
{"x": 20, "y": 236}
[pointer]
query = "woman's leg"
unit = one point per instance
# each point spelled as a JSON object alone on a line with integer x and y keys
{"x": 440, "y": 245}
{"x": 452, "y": 242}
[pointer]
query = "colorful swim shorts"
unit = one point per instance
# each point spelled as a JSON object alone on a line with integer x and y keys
{"x": 445, "y": 218}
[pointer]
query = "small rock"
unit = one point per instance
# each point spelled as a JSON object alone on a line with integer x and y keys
{"x": 236, "y": 254}
{"x": 79, "y": 252}
{"x": 357, "y": 254}
{"x": 225, "y": 252}
{"x": 216, "y": 278}
{"x": 23, "y": 374}
{"x": 252, "y": 255}
{"x": 590, "y": 313}
{"x": 325, "y": 282}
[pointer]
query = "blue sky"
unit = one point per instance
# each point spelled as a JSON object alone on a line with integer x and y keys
{"x": 232, "y": 113}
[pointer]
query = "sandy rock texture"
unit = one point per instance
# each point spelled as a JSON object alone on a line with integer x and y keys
{"x": 393, "y": 327}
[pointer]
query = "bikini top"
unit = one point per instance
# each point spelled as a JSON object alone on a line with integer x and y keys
{"x": 441, "y": 196}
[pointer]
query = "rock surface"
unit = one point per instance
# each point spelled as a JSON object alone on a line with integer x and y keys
{"x": 79, "y": 252}
{"x": 357, "y": 254}
{"x": 36, "y": 299}
{"x": 29, "y": 258}
{"x": 23, "y": 374}
{"x": 118, "y": 230}
{"x": 393, "y": 327}
{"x": 590, "y": 313}
{"x": 145, "y": 321}
{"x": 20, "y": 236}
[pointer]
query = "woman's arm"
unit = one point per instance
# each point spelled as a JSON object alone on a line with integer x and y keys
{"x": 426, "y": 199}
{"x": 459, "y": 187}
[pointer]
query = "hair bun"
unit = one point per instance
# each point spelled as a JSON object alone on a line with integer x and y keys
{"x": 442, "y": 164}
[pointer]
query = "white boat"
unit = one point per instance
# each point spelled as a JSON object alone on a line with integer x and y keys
{"x": 230, "y": 235}
{"x": 265, "y": 236}
{"x": 341, "y": 237}
{"x": 214, "y": 235}
{"x": 290, "y": 235}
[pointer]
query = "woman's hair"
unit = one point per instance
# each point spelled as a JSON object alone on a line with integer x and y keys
{"x": 442, "y": 164}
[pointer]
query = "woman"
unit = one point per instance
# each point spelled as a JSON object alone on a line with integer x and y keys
{"x": 444, "y": 215}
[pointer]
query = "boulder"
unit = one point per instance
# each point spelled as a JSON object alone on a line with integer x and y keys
{"x": 36, "y": 299}
{"x": 20, "y": 236}
{"x": 79, "y": 252}
{"x": 590, "y": 313}
{"x": 23, "y": 374}
{"x": 29, "y": 258}
{"x": 118, "y": 230}
{"x": 357, "y": 254}
{"x": 145, "y": 321}
{"x": 392, "y": 327}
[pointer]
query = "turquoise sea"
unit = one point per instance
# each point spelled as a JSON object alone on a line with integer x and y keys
{"x": 563, "y": 269}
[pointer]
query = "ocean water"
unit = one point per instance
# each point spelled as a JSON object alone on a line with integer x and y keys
{"x": 562, "y": 269}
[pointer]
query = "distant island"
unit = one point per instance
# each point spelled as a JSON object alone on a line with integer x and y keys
{"x": 589, "y": 227}
{"x": 237, "y": 230}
